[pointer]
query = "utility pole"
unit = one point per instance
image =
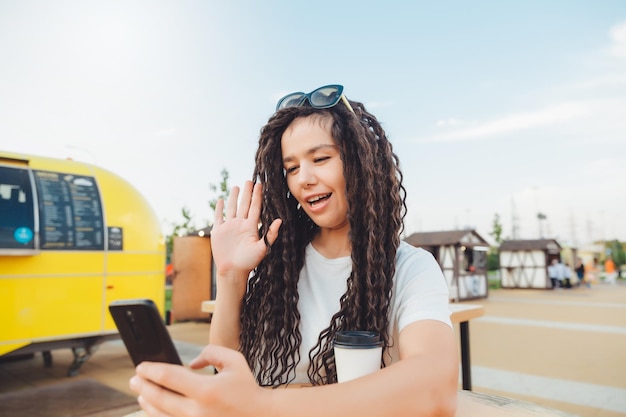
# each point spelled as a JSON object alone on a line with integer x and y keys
{"x": 590, "y": 232}
{"x": 535, "y": 189}
{"x": 572, "y": 225}
{"x": 514, "y": 220}
{"x": 541, "y": 217}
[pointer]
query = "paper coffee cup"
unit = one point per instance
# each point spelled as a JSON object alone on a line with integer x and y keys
{"x": 357, "y": 353}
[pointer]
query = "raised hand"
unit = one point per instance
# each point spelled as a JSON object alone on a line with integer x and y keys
{"x": 237, "y": 248}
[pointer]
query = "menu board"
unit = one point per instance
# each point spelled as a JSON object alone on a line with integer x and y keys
{"x": 116, "y": 238}
{"x": 70, "y": 211}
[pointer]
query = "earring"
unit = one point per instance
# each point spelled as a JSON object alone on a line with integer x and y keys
{"x": 299, "y": 206}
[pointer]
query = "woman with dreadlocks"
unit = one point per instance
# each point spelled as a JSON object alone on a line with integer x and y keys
{"x": 311, "y": 247}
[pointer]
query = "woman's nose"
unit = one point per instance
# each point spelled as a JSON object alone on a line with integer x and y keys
{"x": 306, "y": 176}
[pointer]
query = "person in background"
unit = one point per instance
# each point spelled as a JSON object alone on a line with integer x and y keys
{"x": 553, "y": 273}
{"x": 567, "y": 275}
{"x": 591, "y": 272}
{"x": 610, "y": 273}
{"x": 580, "y": 271}
{"x": 559, "y": 269}
{"x": 311, "y": 247}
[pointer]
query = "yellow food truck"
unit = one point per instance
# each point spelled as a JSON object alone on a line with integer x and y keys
{"x": 73, "y": 238}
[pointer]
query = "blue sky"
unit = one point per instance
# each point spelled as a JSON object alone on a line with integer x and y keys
{"x": 493, "y": 107}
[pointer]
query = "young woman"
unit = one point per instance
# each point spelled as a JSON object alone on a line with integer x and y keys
{"x": 311, "y": 248}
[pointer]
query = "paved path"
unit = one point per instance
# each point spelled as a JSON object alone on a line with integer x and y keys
{"x": 552, "y": 389}
{"x": 564, "y": 349}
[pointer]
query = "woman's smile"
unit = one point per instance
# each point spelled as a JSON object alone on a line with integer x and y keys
{"x": 318, "y": 201}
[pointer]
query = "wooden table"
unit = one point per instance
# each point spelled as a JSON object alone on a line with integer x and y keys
{"x": 462, "y": 314}
{"x": 472, "y": 404}
{"x": 459, "y": 313}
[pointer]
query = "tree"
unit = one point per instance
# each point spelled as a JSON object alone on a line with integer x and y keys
{"x": 493, "y": 260}
{"x": 617, "y": 252}
{"x": 496, "y": 231}
{"x": 224, "y": 191}
{"x": 178, "y": 229}
{"x": 496, "y": 234}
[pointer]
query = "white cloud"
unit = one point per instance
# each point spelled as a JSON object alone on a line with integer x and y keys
{"x": 606, "y": 114}
{"x": 556, "y": 114}
{"x": 604, "y": 80}
{"x": 618, "y": 38}
{"x": 450, "y": 121}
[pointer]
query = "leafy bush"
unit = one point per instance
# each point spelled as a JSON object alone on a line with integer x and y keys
{"x": 493, "y": 263}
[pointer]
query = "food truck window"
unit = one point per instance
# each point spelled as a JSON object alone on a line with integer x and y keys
{"x": 70, "y": 211}
{"x": 474, "y": 259}
{"x": 17, "y": 218}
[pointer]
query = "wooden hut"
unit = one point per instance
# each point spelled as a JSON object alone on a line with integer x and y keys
{"x": 192, "y": 281}
{"x": 462, "y": 256}
{"x": 524, "y": 263}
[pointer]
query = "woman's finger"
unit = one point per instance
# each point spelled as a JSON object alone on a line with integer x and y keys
{"x": 170, "y": 388}
{"x": 218, "y": 356}
{"x": 150, "y": 396}
{"x": 256, "y": 202}
{"x": 244, "y": 204}
{"x": 231, "y": 204}
{"x": 149, "y": 409}
{"x": 272, "y": 232}
{"x": 160, "y": 402}
{"x": 219, "y": 212}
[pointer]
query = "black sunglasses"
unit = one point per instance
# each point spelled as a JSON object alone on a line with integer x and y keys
{"x": 320, "y": 98}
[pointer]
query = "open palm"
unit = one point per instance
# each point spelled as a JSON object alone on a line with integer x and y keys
{"x": 235, "y": 235}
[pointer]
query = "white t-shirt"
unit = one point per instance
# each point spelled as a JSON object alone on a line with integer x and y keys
{"x": 420, "y": 292}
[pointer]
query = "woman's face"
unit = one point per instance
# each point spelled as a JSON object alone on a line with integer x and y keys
{"x": 314, "y": 171}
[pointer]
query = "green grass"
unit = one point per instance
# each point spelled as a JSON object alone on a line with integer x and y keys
{"x": 168, "y": 298}
{"x": 494, "y": 284}
{"x": 492, "y": 279}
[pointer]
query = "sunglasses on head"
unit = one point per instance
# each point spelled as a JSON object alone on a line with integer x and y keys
{"x": 321, "y": 98}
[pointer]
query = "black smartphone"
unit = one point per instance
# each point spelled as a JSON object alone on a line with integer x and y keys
{"x": 143, "y": 331}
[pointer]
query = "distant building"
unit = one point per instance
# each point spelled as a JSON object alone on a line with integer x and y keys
{"x": 524, "y": 263}
{"x": 588, "y": 252}
{"x": 462, "y": 256}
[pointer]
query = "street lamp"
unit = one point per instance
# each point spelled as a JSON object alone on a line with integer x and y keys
{"x": 540, "y": 217}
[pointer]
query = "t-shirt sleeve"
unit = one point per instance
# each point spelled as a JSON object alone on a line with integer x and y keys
{"x": 421, "y": 289}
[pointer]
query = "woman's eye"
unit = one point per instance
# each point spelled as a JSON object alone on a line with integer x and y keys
{"x": 321, "y": 159}
{"x": 290, "y": 170}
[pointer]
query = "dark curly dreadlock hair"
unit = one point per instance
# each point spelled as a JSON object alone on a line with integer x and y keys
{"x": 270, "y": 336}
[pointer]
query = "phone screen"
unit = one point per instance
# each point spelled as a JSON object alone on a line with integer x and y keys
{"x": 143, "y": 331}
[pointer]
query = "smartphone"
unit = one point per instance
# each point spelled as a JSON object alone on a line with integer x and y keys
{"x": 143, "y": 331}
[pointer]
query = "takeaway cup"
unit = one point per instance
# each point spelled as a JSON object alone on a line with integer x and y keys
{"x": 357, "y": 353}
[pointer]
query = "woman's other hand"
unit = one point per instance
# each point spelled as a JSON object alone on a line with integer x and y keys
{"x": 173, "y": 390}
